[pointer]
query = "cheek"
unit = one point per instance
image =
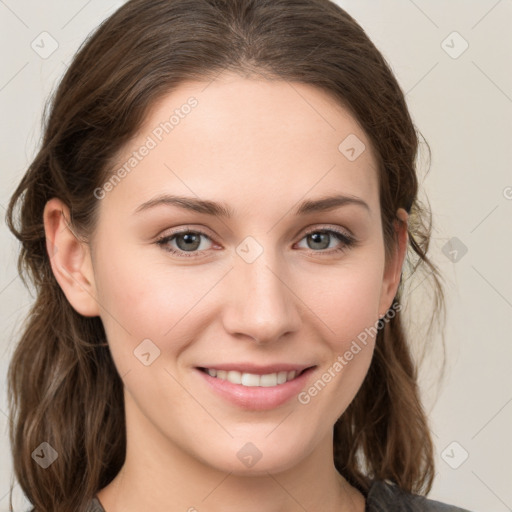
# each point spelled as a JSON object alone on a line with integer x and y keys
{"x": 349, "y": 314}
{"x": 145, "y": 299}
{"x": 346, "y": 300}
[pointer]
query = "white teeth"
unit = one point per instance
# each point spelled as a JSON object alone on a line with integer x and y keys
{"x": 268, "y": 380}
{"x": 282, "y": 377}
{"x": 251, "y": 379}
{"x": 234, "y": 377}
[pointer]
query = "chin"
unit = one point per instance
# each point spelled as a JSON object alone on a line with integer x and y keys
{"x": 258, "y": 457}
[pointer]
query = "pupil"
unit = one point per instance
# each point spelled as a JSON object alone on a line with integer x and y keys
{"x": 317, "y": 240}
{"x": 192, "y": 241}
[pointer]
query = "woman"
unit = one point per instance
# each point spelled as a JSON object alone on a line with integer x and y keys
{"x": 216, "y": 224}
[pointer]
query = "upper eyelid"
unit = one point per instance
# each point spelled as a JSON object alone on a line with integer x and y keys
{"x": 182, "y": 231}
{"x": 305, "y": 232}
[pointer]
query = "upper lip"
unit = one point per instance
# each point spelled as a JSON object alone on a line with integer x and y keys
{"x": 256, "y": 369}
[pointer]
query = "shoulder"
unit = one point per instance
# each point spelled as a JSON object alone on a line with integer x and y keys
{"x": 385, "y": 496}
{"x": 95, "y": 506}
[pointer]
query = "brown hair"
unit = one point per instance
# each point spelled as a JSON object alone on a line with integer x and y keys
{"x": 63, "y": 386}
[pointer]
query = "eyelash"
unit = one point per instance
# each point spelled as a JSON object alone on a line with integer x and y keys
{"x": 348, "y": 242}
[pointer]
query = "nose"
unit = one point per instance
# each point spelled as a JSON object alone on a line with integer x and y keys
{"x": 262, "y": 305}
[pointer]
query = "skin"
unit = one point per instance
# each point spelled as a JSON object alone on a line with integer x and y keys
{"x": 261, "y": 147}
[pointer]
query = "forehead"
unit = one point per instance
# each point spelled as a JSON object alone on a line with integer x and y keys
{"x": 246, "y": 141}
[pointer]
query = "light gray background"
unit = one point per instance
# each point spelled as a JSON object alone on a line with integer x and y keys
{"x": 463, "y": 106}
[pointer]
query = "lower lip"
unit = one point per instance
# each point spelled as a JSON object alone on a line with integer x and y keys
{"x": 257, "y": 398}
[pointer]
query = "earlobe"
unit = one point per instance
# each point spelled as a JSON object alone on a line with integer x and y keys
{"x": 70, "y": 259}
{"x": 393, "y": 270}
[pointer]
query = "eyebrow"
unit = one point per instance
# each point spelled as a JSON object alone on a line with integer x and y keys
{"x": 222, "y": 210}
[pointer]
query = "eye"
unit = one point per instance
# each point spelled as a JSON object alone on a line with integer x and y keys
{"x": 189, "y": 243}
{"x": 320, "y": 239}
{"x": 186, "y": 241}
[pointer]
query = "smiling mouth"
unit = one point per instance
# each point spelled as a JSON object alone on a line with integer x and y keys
{"x": 252, "y": 379}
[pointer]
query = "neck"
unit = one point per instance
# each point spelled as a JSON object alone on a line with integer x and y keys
{"x": 158, "y": 474}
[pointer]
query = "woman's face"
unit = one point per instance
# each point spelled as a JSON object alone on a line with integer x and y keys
{"x": 250, "y": 280}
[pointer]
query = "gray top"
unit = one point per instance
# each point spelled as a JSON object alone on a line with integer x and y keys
{"x": 383, "y": 496}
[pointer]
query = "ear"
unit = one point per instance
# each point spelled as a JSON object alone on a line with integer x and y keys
{"x": 70, "y": 259}
{"x": 393, "y": 268}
